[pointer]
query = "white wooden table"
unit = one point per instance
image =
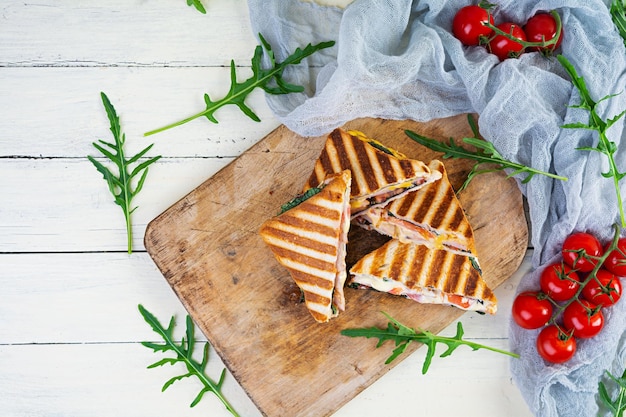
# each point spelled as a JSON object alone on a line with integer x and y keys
{"x": 70, "y": 330}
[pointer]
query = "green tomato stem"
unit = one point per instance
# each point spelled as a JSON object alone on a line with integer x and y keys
{"x": 543, "y": 44}
{"x": 592, "y": 275}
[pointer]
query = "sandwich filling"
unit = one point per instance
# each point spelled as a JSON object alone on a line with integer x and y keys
{"x": 385, "y": 195}
{"x": 385, "y": 222}
{"x": 421, "y": 295}
{"x": 424, "y": 275}
{"x": 379, "y": 174}
{"x": 340, "y": 279}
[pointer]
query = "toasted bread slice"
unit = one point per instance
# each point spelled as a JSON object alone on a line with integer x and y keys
{"x": 431, "y": 216}
{"x": 309, "y": 239}
{"x": 431, "y": 276}
{"x": 379, "y": 174}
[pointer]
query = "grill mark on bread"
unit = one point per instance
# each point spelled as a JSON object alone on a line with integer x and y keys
{"x": 456, "y": 221}
{"x": 318, "y": 176}
{"x": 456, "y": 269}
{"x": 440, "y": 214}
{"x": 342, "y": 160}
{"x": 309, "y": 262}
{"x": 396, "y": 264}
{"x": 471, "y": 284}
{"x": 316, "y": 298}
{"x": 403, "y": 205}
{"x": 407, "y": 168}
{"x": 436, "y": 266}
{"x": 426, "y": 197}
{"x": 303, "y": 240}
{"x": 363, "y": 159}
{"x": 385, "y": 165}
{"x": 372, "y": 168}
{"x": 319, "y": 317}
{"x": 420, "y": 251}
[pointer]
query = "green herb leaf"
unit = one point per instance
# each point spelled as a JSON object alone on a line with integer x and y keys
{"x": 121, "y": 184}
{"x": 617, "y": 405}
{"x": 197, "y": 4}
{"x": 269, "y": 79}
{"x": 184, "y": 354}
{"x": 299, "y": 199}
{"x": 618, "y": 14}
{"x": 403, "y": 335}
{"x": 604, "y": 146}
{"x": 486, "y": 153}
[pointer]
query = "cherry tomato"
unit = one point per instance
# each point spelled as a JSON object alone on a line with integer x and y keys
{"x": 585, "y": 319}
{"x": 604, "y": 290}
{"x": 503, "y": 47}
{"x": 559, "y": 281}
{"x": 581, "y": 250}
{"x": 531, "y": 310}
{"x": 468, "y": 25}
{"x": 616, "y": 261}
{"x": 542, "y": 28}
{"x": 554, "y": 345}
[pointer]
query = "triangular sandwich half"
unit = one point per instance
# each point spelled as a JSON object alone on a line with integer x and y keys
{"x": 379, "y": 174}
{"x": 431, "y": 216}
{"x": 309, "y": 239}
{"x": 431, "y": 276}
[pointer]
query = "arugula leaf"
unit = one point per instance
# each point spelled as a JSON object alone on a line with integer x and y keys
{"x": 616, "y": 406}
{"x": 403, "y": 335}
{"x": 121, "y": 186}
{"x": 299, "y": 199}
{"x": 618, "y": 14}
{"x": 269, "y": 79}
{"x": 184, "y": 355}
{"x": 604, "y": 146}
{"x": 486, "y": 153}
{"x": 197, "y": 4}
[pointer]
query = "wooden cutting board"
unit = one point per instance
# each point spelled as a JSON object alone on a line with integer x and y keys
{"x": 208, "y": 248}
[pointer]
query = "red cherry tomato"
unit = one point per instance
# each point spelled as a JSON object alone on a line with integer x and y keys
{"x": 605, "y": 289}
{"x": 616, "y": 260}
{"x": 585, "y": 319}
{"x": 503, "y": 47}
{"x": 554, "y": 345}
{"x": 531, "y": 310}
{"x": 468, "y": 25}
{"x": 581, "y": 250}
{"x": 542, "y": 28}
{"x": 559, "y": 282}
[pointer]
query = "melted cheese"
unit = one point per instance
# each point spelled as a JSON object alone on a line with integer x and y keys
{"x": 405, "y": 184}
{"x": 420, "y": 295}
{"x": 361, "y": 136}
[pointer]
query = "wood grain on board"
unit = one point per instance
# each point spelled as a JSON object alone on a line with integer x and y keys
{"x": 208, "y": 248}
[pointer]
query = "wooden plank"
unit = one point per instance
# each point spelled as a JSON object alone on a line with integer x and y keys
{"x": 207, "y": 247}
{"x": 72, "y": 360}
{"x": 144, "y": 98}
{"x": 124, "y": 32}
{"x": 108, "y": 380}
{"x": 64, "y": 205}
{"x": 82, "y": 298}
{"x": 76, "y": 298}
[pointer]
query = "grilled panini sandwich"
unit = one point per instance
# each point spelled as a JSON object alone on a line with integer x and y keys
{"x": 309, "y": 239}
{"x": 379, "y": 174}
{"x": 431, "y": 276}
{"x": 431, "y": 216}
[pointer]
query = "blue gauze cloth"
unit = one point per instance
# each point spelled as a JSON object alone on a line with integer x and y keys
{"x": 397, "y": 59}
